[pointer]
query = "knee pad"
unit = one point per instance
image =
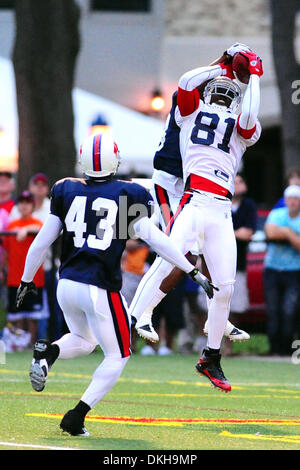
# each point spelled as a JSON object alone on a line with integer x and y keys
{"x": 111, "y": 366}
{"x": 224, "y": 294}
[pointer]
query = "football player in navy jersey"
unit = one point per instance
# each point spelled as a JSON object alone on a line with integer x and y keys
{"x": 96, "y": 216}
{"x": 167, "y": 192}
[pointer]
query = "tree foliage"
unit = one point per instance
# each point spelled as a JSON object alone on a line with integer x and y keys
{"x": 44, "y": 57}
{"x": 287, "y": 71}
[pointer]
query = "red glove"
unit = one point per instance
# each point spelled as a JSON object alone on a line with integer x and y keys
{"x": 255, "y": 63}
{"x": 228, "y": 68}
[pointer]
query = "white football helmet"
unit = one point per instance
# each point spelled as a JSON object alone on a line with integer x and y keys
{"x": 223, "y": 86}
{"x": 99, "y": 156}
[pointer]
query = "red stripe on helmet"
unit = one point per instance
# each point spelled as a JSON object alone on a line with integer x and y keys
{"x": 97, "y": 153}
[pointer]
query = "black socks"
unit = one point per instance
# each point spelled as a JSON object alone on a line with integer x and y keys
{"x": 82, "y": 409}
{"x": 212, "y": 352}
{"x": 52, "y": 353}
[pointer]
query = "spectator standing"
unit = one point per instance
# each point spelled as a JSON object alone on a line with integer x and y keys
{"x": 133, "y": 269}
{"x": 191, "y": 338}
{"x": 282, "y": 272}
{"x": 16, "y": 248}
{"x": 244, "y": 218}
{"x": 7, "y": 186}
{"x": 4, "y": 222}
{"x": 168, "y": 319}
{"x": 39, "y": 188}
{"x": 293, "y": 178}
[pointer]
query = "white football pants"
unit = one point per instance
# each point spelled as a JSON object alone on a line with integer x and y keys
{"x": 206, "y": 220}
{"x": 95, "y": 317}
{"x": 166, "y": 204}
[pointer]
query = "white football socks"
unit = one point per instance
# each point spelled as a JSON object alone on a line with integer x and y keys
{"x": 71, "y": 345}
{"x": 218, "y": 313}
{"x": 148, "y": 294}
{"x": 104, "y": 378}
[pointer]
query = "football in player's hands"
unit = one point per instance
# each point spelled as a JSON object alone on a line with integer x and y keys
{"x": 240, "y": 67}
{"x": 237, "y": 47}
{"x": 245, "y": 64}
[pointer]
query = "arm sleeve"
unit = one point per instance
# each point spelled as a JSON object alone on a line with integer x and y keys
{"x": 188, "y": 96}
{"x": 162, "y": 244}
{"x": 247, "y": 120}
{"x": 38, "y": 249}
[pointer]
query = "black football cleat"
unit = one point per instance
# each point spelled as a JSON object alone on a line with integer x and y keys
{"x": 73, "y": 424}
{"x": 39, "y": 366}
{"x": 209, "y": 365}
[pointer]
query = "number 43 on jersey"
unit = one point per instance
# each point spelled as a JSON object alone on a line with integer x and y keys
{"x": 75, "y": 222}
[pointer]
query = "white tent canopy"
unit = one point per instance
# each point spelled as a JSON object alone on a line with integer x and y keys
{"x": 8, "y": 117}
{"x": 137, "y": 135}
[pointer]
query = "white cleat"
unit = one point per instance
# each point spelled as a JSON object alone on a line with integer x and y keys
{"x": 235, "y": 334}
{"x": 38, "y": 374}
{"x": 145, "y": 329}
{"x": 39, "y": 367}
{"x": 231, "y": 332}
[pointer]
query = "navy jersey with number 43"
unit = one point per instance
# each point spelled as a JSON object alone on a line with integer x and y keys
{"x": 95, "y": 227}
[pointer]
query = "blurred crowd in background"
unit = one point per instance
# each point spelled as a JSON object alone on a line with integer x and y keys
{"x": 181, "y": 316}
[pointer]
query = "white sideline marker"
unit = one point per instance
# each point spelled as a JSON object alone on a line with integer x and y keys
{"x": 35, "y": 446}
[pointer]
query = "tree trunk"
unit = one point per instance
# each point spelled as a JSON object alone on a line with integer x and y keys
{"x": 44, "y": 57}
{"x": 287, "y": 71}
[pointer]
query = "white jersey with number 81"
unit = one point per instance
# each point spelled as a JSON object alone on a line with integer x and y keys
{"x": 210, "y": 144}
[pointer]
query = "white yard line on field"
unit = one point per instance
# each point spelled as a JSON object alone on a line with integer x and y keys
{"x": 34, "y": 446}
{"x": 64, "y": 377}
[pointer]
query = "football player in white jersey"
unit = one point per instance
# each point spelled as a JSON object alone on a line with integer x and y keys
{"x": 167, "y": 191}
{"x": 213, "y": 139}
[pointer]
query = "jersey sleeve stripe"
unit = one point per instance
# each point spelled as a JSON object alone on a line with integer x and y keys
{"x": 188, "y": 101}
{"x": 164, "y": 203}
{"x": 245, "y": 133}
{"x": 120, "y": 321}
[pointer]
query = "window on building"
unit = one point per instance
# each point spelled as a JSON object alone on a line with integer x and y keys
{"x": 121, "y": 5}
{"x": 7, "y": 4}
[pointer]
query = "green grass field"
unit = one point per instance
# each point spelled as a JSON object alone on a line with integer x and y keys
{"x": 159, "y": 403}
